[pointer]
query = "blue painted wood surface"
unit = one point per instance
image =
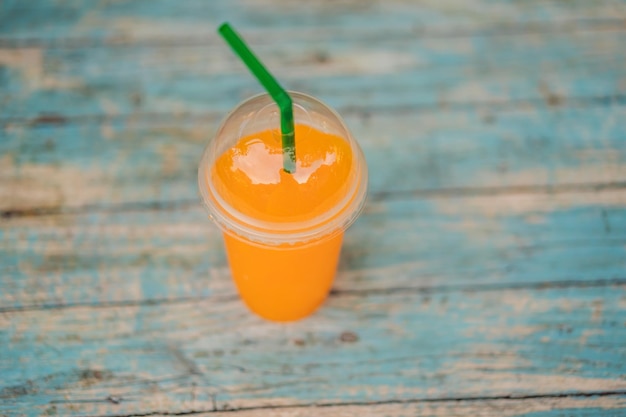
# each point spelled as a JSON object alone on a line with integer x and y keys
{"x": 142, "y": 255}
{"x": 385, "y": 346}
{"x": 487, "y": 275}
{"x": 409, "y": 152}
{"x": 403, "y": 71}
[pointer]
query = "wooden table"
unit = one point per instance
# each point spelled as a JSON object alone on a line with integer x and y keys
{"x": 487, "y": 275}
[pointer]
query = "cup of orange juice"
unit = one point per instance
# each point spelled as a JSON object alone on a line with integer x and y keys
{"x": 283, "y": 231}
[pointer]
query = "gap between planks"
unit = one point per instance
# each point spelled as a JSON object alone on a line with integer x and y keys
{"x": 426, "y": 290}
{"x": 444, "y": 400}
{"x": 450, "y": 192}
{"x": 53, "y": 119}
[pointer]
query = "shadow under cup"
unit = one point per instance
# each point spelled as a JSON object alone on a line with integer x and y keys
{"x": 283, "y": 268}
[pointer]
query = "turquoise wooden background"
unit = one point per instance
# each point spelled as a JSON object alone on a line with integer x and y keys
{"x": 487, "y": 275}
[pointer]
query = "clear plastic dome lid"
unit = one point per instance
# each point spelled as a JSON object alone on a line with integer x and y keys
{"x": 247, "y": 191}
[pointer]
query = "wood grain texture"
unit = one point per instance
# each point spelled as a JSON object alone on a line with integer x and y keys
{"x": 61, "y": 168}
{"x": 437, "y": 242}
{"x": 211, "y": 354}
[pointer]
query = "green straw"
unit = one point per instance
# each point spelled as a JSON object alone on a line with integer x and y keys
{"x": 280, "y": 96}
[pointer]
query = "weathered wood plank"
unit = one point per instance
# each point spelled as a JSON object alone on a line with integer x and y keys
{"x": 370, "y": 71}
{"x": 213, "y": 354}
{"x": 124, "y": 161}
{"x": 433, "y": 243}
{"x": 132, "y": 21}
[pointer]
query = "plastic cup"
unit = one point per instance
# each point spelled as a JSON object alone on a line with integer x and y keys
{"x": 283, "y": 243}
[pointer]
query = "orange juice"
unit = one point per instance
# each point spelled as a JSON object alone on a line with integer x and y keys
{"x": 283, "y": 231}
{"x": 283, "y": 284}
{"x": 289, "y": 281}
